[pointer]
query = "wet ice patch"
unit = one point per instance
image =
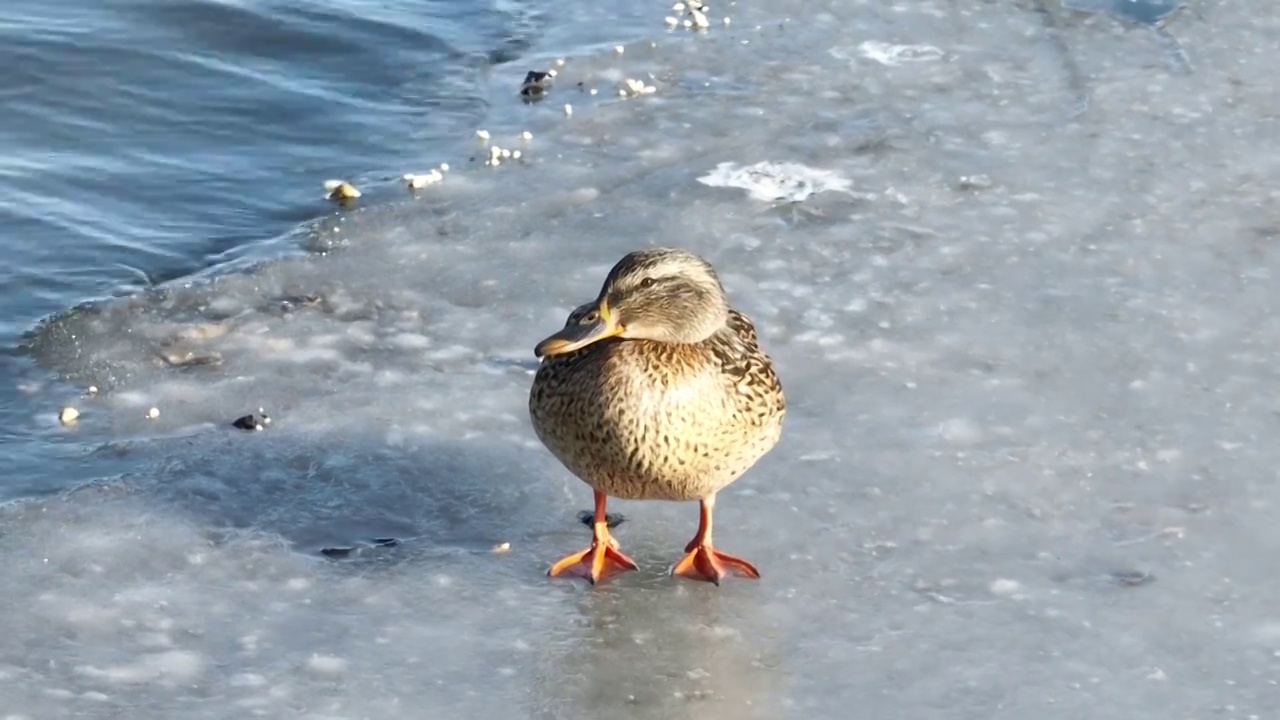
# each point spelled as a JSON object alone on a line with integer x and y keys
{"x": 770, "y": 182}
{"x": 1146, "y": 12}
{"x": 890, "y": 54}
{"x": 1149, "y": 13}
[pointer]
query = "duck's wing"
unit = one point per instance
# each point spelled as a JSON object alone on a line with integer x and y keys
{"x": 746, "y": 366}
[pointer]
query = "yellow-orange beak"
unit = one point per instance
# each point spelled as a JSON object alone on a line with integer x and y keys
{"x": 576, "y": 335}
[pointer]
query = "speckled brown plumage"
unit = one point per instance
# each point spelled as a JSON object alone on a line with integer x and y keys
{"x": 645, "y": 420}
{"x": 657, "y": 390}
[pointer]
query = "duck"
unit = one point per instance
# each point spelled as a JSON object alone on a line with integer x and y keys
{"x": 656, "y": 390}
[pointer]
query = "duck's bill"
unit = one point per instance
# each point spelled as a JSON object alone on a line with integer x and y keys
{"x": 577, "y": 335}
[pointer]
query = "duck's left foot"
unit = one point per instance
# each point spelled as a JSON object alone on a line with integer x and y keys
{"x": 704, "y": 562}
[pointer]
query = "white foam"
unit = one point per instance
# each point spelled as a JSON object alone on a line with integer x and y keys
{"x": 890, "y": 54}
{"x": 772, "y": 182}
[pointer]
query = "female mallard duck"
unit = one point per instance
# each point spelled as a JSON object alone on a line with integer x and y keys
{"x": 657, "y": 390}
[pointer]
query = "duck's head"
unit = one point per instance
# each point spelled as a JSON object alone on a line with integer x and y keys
{"x": 662, "y": 294}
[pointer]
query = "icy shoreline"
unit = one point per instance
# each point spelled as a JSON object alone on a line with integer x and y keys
{"x": 1027, "y": 353}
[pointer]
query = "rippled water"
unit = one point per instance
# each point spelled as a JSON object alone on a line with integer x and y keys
{"x": 145, "y": 140}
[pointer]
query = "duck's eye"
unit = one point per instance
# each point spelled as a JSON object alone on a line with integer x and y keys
{"x": 648, "y": 282}
{"x": 589, "y": 318}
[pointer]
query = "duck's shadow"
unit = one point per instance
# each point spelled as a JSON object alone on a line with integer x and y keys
{"x": 353, "y": 497}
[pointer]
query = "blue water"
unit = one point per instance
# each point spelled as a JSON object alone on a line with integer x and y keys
{"x": 146, "y": 140}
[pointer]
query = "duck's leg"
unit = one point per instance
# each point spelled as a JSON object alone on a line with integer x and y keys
{"x": 600, "y": 560}
{"x": 704, "y": 562}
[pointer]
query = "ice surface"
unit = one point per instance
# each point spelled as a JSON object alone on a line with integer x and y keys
{"x": 1027, "y": 471}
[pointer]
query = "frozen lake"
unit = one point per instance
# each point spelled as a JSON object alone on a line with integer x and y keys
{"x": 1021, "y": 307}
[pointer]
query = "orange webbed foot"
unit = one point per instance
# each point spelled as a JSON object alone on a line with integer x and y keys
{"x": 704, "y": 562}
{"x": 595, "y": 563}
{"x": 602, "y": 559}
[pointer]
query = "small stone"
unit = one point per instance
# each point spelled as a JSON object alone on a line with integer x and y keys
{"x": 568, "y": 109}
{"x": 700, "y": 20}
{"x": 559, "y": 62}
{"x": 93, "y": 389}
{"x": 536, "y": 85}
{"x": 153, "y": 413}
{"x": 341, "y": 190}
{"x": 526, "y": 135}
{"x": 444, "y": 167}
{"x": 726, "y": 21}
{"x": 502, "y": 547}
{"x": 258, "y": 421}
{"x": 515, "y": 154}
{"x": 619, "y": 49}
{"x": 482, "y": 134}
{"x": 68, "y": 415}
{"x": 672, "y": 22}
